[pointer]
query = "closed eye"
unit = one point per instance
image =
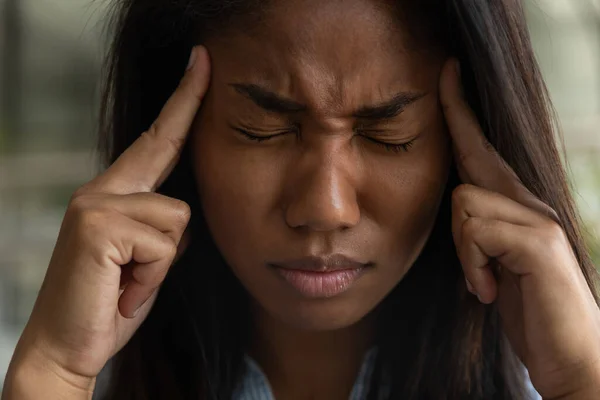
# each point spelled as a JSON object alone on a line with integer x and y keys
{"x": 392, "y": 147}
{"x": 254, "y": 137}
{"x": 260, "y": 137}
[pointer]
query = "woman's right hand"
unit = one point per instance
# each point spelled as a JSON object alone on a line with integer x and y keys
{"x": 116, "y": 244}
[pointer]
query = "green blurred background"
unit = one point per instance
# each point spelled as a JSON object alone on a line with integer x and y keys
{"x": 50, "y": 63}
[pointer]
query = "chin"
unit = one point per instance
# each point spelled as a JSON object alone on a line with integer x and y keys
{"x": 318, "y": 315}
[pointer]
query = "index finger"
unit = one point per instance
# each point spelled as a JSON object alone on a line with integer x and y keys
{"x": 151, "y": 158}
{"x": 476, "y": 159}
{"x": 474, "y": 154}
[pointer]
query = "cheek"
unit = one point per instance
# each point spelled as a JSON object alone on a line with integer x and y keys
{"x": 405, "y": 197}
{"x": 237, "y": 190}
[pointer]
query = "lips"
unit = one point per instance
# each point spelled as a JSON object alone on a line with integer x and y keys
{"x": 321, "y": 277}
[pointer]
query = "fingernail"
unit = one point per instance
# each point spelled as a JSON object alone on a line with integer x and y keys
{"x": 470, "y": 287}
{"x": 135, "y": 313}
{"x": 192, "y": 60}
{"x": 479, "y": 298}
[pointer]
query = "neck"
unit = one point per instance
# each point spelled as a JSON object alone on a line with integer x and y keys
{"x": 307, "y": 364}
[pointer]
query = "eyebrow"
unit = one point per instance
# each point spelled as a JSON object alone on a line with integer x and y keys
{"x": 273, "y": 102}
{"x": 388, "y": 109}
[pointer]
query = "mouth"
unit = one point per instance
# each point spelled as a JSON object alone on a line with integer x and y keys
{"x": 321, "y": 277}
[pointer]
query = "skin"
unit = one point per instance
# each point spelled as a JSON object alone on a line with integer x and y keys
{"x": 324, "y": 187}
{"x": 118, "y": 231}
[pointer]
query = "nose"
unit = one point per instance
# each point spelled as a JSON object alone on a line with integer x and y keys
{"x": 322, "y": 194}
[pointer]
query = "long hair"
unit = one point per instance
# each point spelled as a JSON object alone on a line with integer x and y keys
{"x": 435, "y": 341}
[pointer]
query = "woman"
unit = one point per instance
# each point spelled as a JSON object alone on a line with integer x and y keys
{"x": 357, "y": 230}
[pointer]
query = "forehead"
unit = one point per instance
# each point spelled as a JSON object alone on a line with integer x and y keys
{"x": 325, "y": 53}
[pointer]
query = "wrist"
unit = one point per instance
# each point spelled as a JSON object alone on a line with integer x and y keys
{"x": 33, "y": 376}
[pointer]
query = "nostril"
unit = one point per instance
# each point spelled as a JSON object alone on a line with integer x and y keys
{"x": 323, "y": 216}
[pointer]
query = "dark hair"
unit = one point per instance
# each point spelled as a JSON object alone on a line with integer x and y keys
{"x": 438, "y": 342}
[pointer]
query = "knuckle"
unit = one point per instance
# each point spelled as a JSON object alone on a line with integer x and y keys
{"x": 90, "y": 228}
{"x": 176, "y": 143}
{"x": 92, "y": 220}
{"x": 91, "y": 187}
{"x": 554, "y": 238}
{"x": 556, "y": 231}
{"x": 452, "y": 107}
{"x": 470, "y": 227}
{"x": 167, "y": 247}
{"x": 549, "y": 240}
{"x": 550, "y": 214}
{"x": 82, "y": 194}
{"x": 171, "y": 250}
{"x": 155, "y": 133}
{"x": 79, "y": 203}
{"x": 462, "y": 157}
{"x": 81, "y": 191}
{"x": 536, "y": 244}
{"x": 487, "y": 145}
{"x": 462, "y": 193}
{"x": 85, "y": 209}
{"x": 155, "y": 275}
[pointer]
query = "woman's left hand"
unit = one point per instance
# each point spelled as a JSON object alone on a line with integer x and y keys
{"x": 547, "y": 308}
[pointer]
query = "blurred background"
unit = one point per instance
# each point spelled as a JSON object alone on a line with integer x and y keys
{"x": 50, "y": 64}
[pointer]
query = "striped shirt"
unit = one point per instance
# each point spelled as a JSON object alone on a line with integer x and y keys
{"x": 255, "y": 386}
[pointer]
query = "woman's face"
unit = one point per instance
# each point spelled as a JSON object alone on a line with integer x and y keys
{"x": 321, "y": 136}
